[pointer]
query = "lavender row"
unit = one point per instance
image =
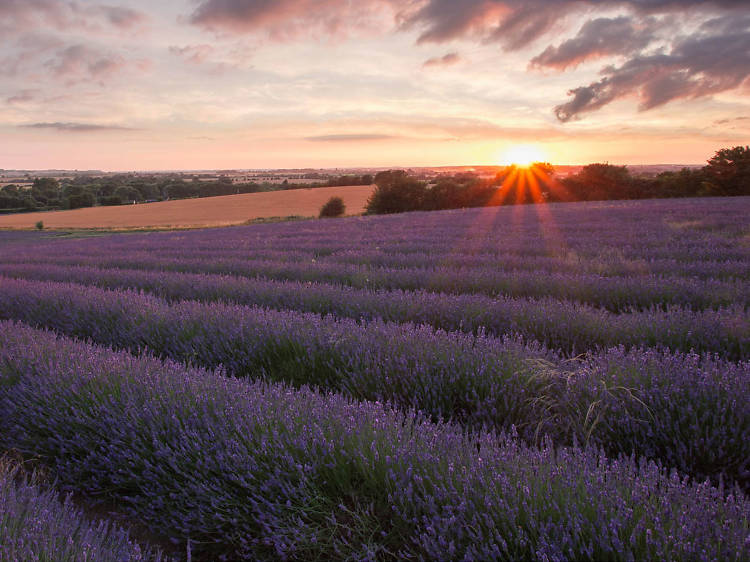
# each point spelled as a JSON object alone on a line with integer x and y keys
{"x": 36, "y": 525}
{"x": 263, "y": 472}
{"x": 606, "y": 263}
{"x": 247, "y": 242}
{"x": 690, "y": 412}
{"x": 567, "y": 326}
{"x": 613, "y": 293}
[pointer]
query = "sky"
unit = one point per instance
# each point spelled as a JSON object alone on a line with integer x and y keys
{"x": 220, "y": 84}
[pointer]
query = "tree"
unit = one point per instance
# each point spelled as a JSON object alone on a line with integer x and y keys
{"x": 180, "y": 190}
{"x": 396, "y": 192}
{"x": 334, "y": 207}
{"x": 125, "y": 193}
{"x": 728, "y": 172}
{"x": 44, "y": 189}
{"x": 110, "y": 201}
{"x": 683, "y": 183}
{"x": 462, "y": 190}
{"x": 598, "y": 182}
{"x": 84, "y": 199}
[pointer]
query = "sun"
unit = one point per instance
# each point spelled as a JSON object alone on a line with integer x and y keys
{"x": 523, "y": 155}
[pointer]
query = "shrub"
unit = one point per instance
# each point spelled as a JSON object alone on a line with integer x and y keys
{"x": 39, "y": 225}
{"x": 334, "y": 207}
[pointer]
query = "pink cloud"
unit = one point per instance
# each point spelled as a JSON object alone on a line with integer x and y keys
{"x": 448, "y": 59}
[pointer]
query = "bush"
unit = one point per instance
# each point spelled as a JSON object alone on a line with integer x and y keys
{"x": 39, "y": 225}
{"x": 334, "y": 207}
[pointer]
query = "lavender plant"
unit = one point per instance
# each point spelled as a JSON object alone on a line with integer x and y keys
{"x": 36, "y": 525}
{"x": 568, "y": 326}
{"x": 476, "y": 380}
{"x": 261, "y": 471}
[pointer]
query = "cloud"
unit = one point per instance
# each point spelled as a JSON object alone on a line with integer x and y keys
{"x": 26, "y": 13}
{"x": 597, "y": 38}
{"x": 283, "y": 19}
{"x": 353, "y": 137}
{"x": 446, "y": 60}
{"x": 83, "y": 62}
{"x": 23, "y": 96}
{"x": 118, "y": 16}
{"x": 195, "y": 54}
{"x": 708, "y": 61}
{"x": 735, "y": 119}
{"x": 76, "y": 127}
{"x": 517, "y": 23}
{"x": 19, "y": 15}
{"x": 714, "y": 60}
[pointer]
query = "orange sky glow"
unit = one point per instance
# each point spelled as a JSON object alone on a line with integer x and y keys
{"x": 218, "y": 84}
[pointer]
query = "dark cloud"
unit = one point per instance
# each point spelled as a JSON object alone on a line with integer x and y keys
{"x": 76, "y": 127}
{"x": 598, "y": 38}
{"x": 446, "y": 60}
{"x": 714, "y": 60}
{"x": 517, "y": 23}
{"x": 349, "y": 137}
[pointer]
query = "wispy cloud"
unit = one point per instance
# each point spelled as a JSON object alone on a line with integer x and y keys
{"x": 72, "y": 127}
{"x": 349, "y": 137}
{"x": 82, "y": 61}
{"x": 23, "y": 96}
{"x": 196, "y": 54}
{"x": 17, "y": 16}
{"x": 448, "y": 59}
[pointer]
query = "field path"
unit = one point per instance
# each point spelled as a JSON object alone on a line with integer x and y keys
{"x": 208, "y": 211}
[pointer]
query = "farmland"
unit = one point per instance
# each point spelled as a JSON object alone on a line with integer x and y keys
{"x": 205, "y": 212}
{"x": 530, "y": 382}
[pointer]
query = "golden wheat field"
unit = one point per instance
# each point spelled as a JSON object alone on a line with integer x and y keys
{"x": 209, "y": 211}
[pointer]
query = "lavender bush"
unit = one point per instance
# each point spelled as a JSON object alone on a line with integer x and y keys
{"x": 570, "y": 327}
{"x": 36, "y": 526}
{"x": 612, "y": 293}
{"x": 476, "y": 380}
{"x": 260, "y": 471}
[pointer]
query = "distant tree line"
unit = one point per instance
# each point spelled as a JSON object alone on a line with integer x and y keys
{"x": 85, "y": 191}
{"x": 726, "y": 174}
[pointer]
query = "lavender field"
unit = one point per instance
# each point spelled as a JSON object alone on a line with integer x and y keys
{"x": 536, "y": 382}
